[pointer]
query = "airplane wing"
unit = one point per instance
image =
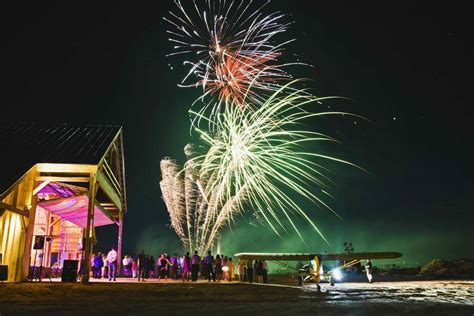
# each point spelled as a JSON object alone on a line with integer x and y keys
{"x": 310, "y": 256}
{"x": 275, "y": 256}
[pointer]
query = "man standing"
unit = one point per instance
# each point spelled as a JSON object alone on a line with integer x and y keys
{"x": 195, "y": 260}
{"x": 265, "y": 271}
{"x": 112, "y": 259}
{"x": 209, "y": 261}
{"x": 141, "y": 266}
{"x": 368, "y": 270}
{"x": 98, "y": 264}
{"x": 249, "y": 271}
{"x": 146, "y": 267}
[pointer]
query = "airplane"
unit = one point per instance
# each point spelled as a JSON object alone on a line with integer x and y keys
{"x": 312, "y": 272}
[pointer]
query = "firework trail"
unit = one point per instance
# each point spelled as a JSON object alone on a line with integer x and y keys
{"x": 173, "y": 194}
{"x": 192, "y": 207}
{"x": 232, "y": 51}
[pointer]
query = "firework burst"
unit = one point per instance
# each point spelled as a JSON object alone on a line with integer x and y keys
{"x": 233, "y": 54}
{"x": 258, "y": 158}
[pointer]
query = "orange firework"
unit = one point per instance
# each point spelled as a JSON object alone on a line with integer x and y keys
{"x": 235, "y": 73}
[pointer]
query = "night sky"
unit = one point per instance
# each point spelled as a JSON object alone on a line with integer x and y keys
{"x": 408, "y": 68}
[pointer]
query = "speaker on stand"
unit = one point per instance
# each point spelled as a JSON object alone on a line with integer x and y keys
{"x": 38, "y": 245}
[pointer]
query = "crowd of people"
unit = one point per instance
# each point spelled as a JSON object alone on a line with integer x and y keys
{"x": 186, "y": 268}
{"x": 104, "y": 265}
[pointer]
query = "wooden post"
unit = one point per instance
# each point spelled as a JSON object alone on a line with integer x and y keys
{"x": 87, "y": 232}
{"x": 29, "y": 231}
{"x": 119, "y": 169}
{"x": 47, "y": 245}
{"x": 119, "y": 243}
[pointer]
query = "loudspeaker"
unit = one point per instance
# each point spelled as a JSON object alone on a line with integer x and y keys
{"x": 3, "y": 273}
{"x": 39, "y": 243}
{"x": 69, "y": 273}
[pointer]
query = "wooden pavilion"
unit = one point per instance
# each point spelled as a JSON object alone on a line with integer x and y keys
{"x": 59, "y": 182}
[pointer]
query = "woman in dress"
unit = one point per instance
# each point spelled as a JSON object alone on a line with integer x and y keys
{"x": 242, "y": 271}
{"x": 105, "y": 266}
{"x": 218, "y": 268}
{"x": 186, "y": 267}
{"x": 225, "y": 269}
{"x": 230, "y": 271}
{"x": 134, "y": 268}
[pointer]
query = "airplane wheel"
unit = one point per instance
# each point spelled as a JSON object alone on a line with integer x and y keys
{"x": 332, "y": 282}
{"x": 300, "y": 280}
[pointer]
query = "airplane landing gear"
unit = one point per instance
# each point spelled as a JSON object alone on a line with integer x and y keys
{"x": 300, "y": 280}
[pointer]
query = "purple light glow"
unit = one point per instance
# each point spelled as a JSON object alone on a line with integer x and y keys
{"x": 74, "y": 209}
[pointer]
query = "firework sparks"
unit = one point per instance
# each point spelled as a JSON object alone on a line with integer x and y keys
{"x": 173, "y": 194}
{"x": 235, "y": 75}
{"x": 191, "y": 205}
{"x": 259, "y": 156}
{"x": 232, "y": 49}
{"x": 255, "y": 159}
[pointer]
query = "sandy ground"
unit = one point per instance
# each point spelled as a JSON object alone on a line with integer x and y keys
{"x": 129, "y": 297}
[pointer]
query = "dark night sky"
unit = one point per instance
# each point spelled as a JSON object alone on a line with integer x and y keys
{"x": 408, "y": 67}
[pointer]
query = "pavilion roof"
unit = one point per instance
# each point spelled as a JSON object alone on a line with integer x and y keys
{"x": 24, "y": 145}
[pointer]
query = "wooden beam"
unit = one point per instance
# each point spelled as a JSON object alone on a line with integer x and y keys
{"x": 13, "y": 209}
{"x": 66, "y": 168}
{"x": 62, "y": 179}
{"x": 55, "y": 221}
{"x": 88, "y": 230}
{"x": 105, "y": 211}
{"x": 111, "y": 175}
{"x": 122, "y": 173}
{"x": 24, "y": 226}
{"x": 30, "y": 227}
{"x": 109, "y": 191}
{"x": 118, "y": 144}
{"x": 39, "y": 187}
{"x": 110, "y": 146}
{"x": 119, "y": 240}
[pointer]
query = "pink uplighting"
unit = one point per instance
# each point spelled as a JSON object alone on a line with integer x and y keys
{"x": 74, "y": 209}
